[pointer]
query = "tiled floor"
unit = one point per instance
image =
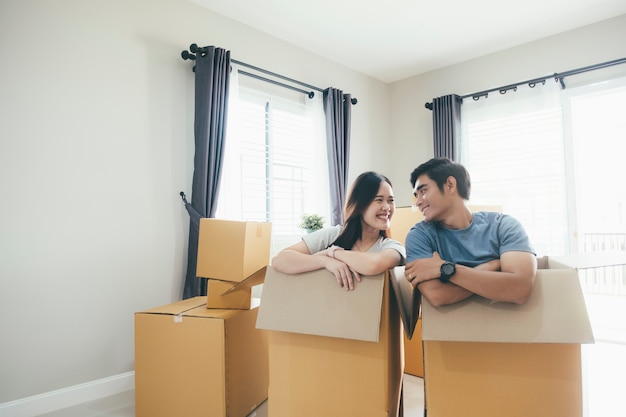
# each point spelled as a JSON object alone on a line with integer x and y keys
{"x": 123, "y": 405}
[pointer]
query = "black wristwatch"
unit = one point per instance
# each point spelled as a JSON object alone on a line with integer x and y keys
{"x": 448, "y": 269}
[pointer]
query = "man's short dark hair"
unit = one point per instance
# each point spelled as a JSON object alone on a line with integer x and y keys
{"x": 439, "y": 169}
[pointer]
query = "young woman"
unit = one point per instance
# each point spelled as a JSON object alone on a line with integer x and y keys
{"x": 361, "y": 247}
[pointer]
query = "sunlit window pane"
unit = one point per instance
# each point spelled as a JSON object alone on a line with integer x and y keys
{"x": 275, "y": 163}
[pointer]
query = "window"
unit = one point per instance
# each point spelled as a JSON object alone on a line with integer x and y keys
{"x": 513, "y": 148}
{"x": 598, "y": 131}
{"x": 275, "y": 163}
{"x": 598, "y": 135}
{"x": 553, "y": 159}
{"x": 537, "y": 152}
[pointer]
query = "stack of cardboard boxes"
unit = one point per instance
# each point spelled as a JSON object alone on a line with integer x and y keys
{"x": 203, "y": 356}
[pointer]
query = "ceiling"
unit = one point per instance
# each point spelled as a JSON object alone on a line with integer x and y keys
{"x": 397, "y": 39}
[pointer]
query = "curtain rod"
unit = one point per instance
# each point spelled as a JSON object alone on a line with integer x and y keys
{"x": 310, "y": 94}
{"x": 194, "y": 48}
{"x": 531, "y": 83}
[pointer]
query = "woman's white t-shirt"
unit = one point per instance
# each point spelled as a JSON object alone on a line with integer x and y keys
{"x": 322, "y": 239}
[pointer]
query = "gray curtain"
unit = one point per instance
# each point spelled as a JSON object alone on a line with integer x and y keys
{"x": 338, "y": 111}
{"x": 447, "y": 126}
{"x": 211, "y": 102}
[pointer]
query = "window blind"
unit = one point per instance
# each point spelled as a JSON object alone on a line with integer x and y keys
{"x": 514, "y": 153}
{"x": 275, "y": 166}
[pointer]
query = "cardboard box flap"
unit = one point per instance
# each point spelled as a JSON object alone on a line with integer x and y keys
{"x": 178, "y": 307}
{"x": 408, "y": 300}
{"x": 211, "y": 313}
{"x": 255, "y": 279}
{"x": 589, "y": 260}
{"x": 312, "y": 303}
{"x": 555, "y": 313}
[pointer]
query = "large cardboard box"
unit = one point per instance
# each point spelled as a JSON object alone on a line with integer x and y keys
{"x": 231, "y": 250}
{"x": 489, "y": 359}
{"x": 332, "y": 352}
{"x": 195, "y": 362}
{"x": 229, "y": 295}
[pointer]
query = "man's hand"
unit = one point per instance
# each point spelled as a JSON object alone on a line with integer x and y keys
{"x": 421, "y": 270}
{"x": 509, "y": 279}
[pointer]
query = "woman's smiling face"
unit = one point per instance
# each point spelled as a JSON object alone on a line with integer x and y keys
{"x": 379, "y": 212}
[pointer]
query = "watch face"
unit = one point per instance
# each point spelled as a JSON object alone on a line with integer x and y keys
{"x": 448, "y": 269}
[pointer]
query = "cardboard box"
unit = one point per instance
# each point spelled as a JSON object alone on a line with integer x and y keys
{"x": 232, "y": 250}
{"x": 332, "y": 352}
{"x": 589, "y": 260}
{"x": 192, "y": 361}
{"x": 409, "y": 304}
{"x": 226, "y": 295}
{"x": 413, "y": 352}
{"x": 409, "y": 300}
{"x": 501, "y": 359}
{"x": 404, "y": 218}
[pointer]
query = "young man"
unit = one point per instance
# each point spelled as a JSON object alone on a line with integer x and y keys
{"x": 454, "y": 253}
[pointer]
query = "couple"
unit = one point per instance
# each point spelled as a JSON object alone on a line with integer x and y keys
{"x": 450, "y": 255}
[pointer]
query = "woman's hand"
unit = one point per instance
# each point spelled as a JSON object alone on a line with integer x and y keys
{"x": 343, "y": 273}
{"x": 296, "y": 259}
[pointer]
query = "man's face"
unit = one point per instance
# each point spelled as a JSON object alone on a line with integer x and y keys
{"x": 429, "y": 199}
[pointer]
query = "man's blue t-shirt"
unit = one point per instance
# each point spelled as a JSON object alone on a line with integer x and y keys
{"x": 488, "y": 236}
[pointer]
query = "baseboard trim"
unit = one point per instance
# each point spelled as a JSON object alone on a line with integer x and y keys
{"x": 68, "y": 397}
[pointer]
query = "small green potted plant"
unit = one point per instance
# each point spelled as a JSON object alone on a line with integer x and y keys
{"x": 311, "y": 222}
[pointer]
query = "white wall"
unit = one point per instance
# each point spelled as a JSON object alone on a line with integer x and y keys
{"x": 411, "y": 122}
{"x": 96, "y": 134}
